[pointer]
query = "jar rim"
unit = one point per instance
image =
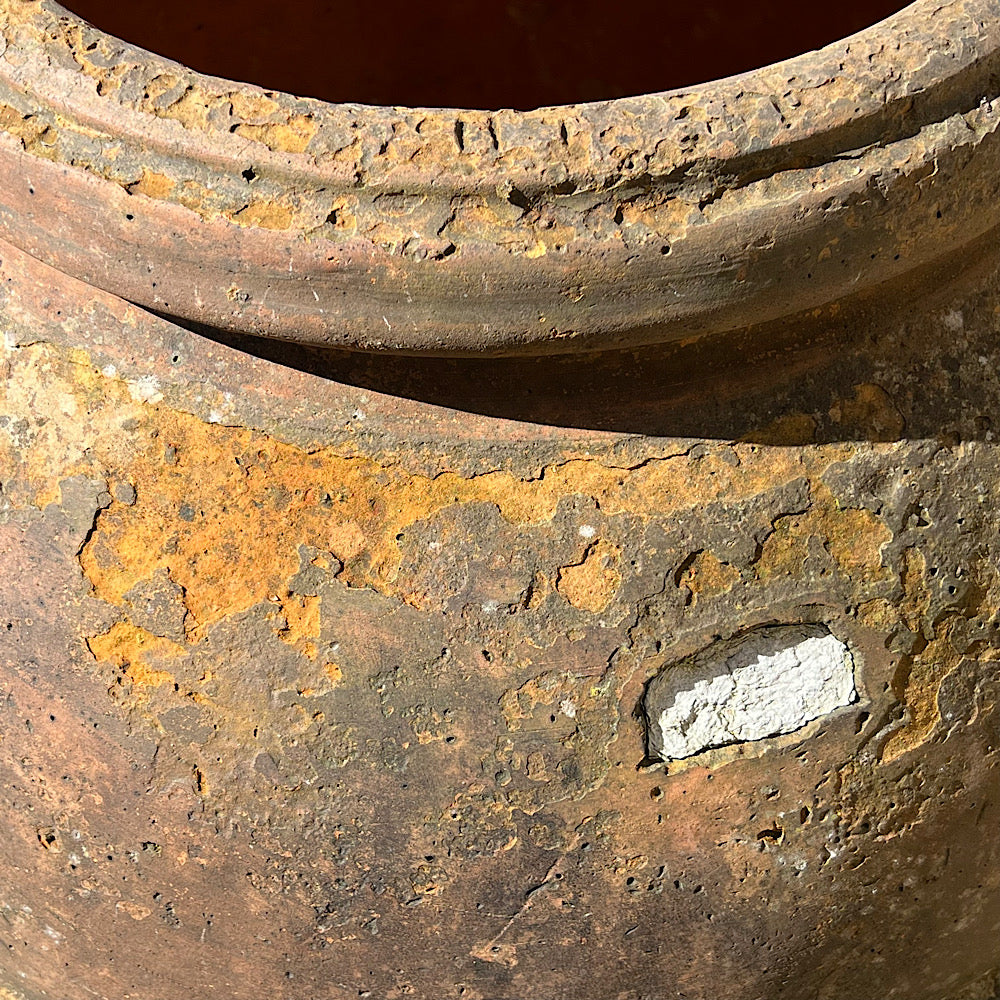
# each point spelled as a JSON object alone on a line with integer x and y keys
{"x": 602, "y": 225}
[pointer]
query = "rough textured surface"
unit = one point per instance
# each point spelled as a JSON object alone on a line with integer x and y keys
{"x": 322, "y": 673}
{"x": 594, "y": 226}
{"x": 334, "y": 691}
{"x": 767, "y": 683}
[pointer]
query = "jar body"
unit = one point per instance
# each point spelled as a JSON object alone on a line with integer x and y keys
{"x": 328, "y": 671}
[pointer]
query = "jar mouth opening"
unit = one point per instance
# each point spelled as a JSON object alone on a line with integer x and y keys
{"x": 518, "y": 54}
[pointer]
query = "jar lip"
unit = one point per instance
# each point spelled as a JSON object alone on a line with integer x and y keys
{"x": 601, "y": 225}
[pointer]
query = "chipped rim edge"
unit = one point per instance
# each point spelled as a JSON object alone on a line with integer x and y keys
{"x": 604, "y": 225}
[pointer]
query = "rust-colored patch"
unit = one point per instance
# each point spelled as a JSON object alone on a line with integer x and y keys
{"x": 591, "y": 583}
{"x": 302, "y": 623}
{"x": 852, "y": 537}
{"x": 153, "y": 185}
{"x": 705, "y": 576}
{"x": 134, "y": 651}
{"x": 263, "y": 215}
{"x": 927, "y": 670}
{"x": 224, "y": 509}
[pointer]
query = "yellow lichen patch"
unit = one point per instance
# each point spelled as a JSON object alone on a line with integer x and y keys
{"x": 193, "y": 195}
{"x": 263, "y": 215}
{"x": 879, "y": 615}
{"x": 342, "y": 216}
{"x": 591, "y": 584}
{"x": 248, "y": 104}
{"x": 191, "y": 109}
{"x": 36, "y": 136}
{"x": 705, "y": 576}
{"x": 292, "y": 136}
{"x": 869, "y": 413}
{"x": 927, "y": 670}
{"x": 223, "y": 510}
{"x": 152, "y": 185}
{"x": 853, "y": 537}
{"x": 333, "y": 672}
{"x": 133, "y": 650}
{"x": 302, "y": 623}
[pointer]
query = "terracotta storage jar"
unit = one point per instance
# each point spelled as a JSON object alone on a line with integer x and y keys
{"x": 480, "y": 555}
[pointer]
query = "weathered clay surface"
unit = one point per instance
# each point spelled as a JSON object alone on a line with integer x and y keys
{"x": 322, "y": 674}
{"x": 602, "y": 225}
{"x": 310, "y": 690}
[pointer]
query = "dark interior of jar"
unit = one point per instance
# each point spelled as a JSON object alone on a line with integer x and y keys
{"x": 478, "y": 53}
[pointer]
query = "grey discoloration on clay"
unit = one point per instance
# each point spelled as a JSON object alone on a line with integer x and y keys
{"x": 348, "y": 689}
{"x": 450, "y": 753}
{"x": 156, "y": 604}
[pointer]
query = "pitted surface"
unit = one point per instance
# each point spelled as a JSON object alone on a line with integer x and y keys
{"x": 370, "y": 668}
{"x": 595, "y": 226}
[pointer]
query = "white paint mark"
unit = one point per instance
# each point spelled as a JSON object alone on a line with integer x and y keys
{"x": 767, "y": 683}
{"x": 587, "y": 531}
{"x": 109, "y": 371}
{"x": 568, "y": 708}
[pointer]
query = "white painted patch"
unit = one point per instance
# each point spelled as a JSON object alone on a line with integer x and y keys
{"x": 587, "y": 531}
{"x": 767, "y": 683}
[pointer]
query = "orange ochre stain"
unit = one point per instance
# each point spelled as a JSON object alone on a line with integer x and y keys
{"x": 592, "y": 583}
{"x": 134, "y": 651}
{"x": 224, "y": 509}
